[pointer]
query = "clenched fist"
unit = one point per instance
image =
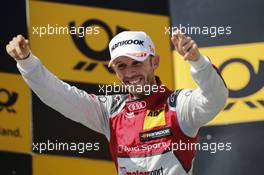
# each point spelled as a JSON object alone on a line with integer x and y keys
{"x": 18, "y": 48}
{"x": 185, "y": 46}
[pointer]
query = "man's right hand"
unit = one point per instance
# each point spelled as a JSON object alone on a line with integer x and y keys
{"x": 18, "y": 48}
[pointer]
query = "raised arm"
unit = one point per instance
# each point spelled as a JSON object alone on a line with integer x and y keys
{"x": 70, "y": 101}
{"x": 197, "y": 107}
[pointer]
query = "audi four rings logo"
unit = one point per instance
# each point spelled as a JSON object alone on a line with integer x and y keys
{"x": 137, "y": 105}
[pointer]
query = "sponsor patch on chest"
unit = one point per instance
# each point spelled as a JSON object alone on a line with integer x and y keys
{"x": 154, "y": 119}
{"x": 155, "y": 134}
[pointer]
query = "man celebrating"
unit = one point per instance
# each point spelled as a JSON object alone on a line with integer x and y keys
{"x": 142, "y": 129}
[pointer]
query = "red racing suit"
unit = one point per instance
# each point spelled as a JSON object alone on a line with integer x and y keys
{"x": 145, "y": 135}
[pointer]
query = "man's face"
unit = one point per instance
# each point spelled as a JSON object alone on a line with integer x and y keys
{"x": 135, "y": 73}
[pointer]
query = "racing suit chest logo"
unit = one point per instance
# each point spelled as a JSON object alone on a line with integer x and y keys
{"x": 137, "y": 106}
{"x": 155, "y": 134}
{"x": 154, "y": 119}
{"x": 154, "y": 113}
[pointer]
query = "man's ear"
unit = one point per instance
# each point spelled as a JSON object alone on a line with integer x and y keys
{"x": 118, "y": 77}
{"x": 155, "y": 62}
{"x": 113, "y": 67}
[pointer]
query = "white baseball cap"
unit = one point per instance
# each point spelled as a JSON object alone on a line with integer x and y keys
{"x": 133, "y": 44}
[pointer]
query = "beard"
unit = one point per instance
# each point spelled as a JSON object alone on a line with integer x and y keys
{"x": 139, "y": 86}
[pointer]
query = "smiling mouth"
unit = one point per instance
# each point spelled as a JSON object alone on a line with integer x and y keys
{"x": 134, "y": 81}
